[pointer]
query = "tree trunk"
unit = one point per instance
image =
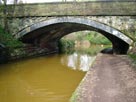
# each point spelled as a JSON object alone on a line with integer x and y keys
{"x": 14, "y": 6}
{"x": 5, "y": 16}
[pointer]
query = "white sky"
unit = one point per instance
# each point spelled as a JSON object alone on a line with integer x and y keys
{"x": 42, "y": 1}
{"x": 37, "y": 1}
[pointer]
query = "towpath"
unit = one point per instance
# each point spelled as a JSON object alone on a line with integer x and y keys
{"x": 110, "y": 79}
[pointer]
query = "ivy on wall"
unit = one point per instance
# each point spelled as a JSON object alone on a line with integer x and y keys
{"x": 8, "y": 40}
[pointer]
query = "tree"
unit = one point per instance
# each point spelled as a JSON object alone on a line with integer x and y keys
{"x": 14, "y": 5}
{"x": 5, "y": 15}
{"x": 64, "y": 0}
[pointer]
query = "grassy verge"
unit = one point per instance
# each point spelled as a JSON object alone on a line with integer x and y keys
{"x": 133, "y": 57}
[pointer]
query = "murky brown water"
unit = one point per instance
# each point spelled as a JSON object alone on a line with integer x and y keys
{"x": 44, "y": 79}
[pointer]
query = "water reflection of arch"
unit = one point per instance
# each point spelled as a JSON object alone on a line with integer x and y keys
{"x": 54, "y": 29}
{"x": 77, "y": 61}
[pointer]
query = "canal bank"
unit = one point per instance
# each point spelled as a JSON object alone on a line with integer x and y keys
{"x": 110, "y": 79}
{"x": 4, "y": 54}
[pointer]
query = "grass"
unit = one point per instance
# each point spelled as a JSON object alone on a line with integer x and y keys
{"x": 133, "y": 57}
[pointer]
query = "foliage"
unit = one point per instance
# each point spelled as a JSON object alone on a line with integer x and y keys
{"x": 66, "y": 44}
{"x": 8, "y": 40}
{"x": 133, "y": 57}
{"x": 98, "y": 42}
{"x": 97, "y": 39}
{"x": 93, "y": 37}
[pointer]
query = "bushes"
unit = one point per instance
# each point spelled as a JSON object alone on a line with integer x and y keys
{"x": 64, "y": 45}
{"x": 68, "y": 43}
{"x": 97, "y": 39}
{"x": 133, "y": 57}
{"x": 8, "y": 40}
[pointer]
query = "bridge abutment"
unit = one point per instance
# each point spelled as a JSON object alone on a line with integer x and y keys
{"x": 120, "y": 48}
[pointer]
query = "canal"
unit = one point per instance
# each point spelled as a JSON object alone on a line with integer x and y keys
{"x": 51, "y": 78}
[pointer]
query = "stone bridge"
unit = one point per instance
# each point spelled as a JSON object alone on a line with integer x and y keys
{"x": 120, "y": 14}
{"x": 51, "y": 31}
{"x": 90, "y": 8}
{"x": 39, "y": 24}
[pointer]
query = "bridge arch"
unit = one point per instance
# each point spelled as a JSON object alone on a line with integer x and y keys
{"x": 54, "y": 29}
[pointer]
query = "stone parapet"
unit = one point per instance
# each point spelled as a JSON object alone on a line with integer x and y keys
{"x": 93, "y": 8}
